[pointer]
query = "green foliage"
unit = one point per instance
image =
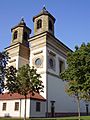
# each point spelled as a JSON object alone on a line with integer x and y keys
{"x": 25, "y": 80}
{"x": 3, "y": 61}
{"x": 11, "y": 84}
{"x": 77, "y": 74}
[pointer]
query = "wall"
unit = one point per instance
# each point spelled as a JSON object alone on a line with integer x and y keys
{"x": 10, "y": 108}
{"x": 30, "y": 108}
{"x": 33, "y": 109}
{"x": 38, "y": 50}
{"x": 22, "y": 61}
{"x": 63, "y": 102}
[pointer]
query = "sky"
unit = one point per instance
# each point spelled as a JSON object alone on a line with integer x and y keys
{"x": 72, "y": 25}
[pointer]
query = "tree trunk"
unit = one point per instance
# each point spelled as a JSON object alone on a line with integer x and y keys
{"x": 25, "y": 108}
{"x": 78, "y": 103}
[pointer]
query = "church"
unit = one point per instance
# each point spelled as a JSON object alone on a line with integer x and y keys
{"x": 48, "y": 55}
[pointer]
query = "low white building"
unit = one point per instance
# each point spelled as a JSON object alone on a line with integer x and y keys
{"x": 14, "y": 105}
{"x": 48, "y": 55}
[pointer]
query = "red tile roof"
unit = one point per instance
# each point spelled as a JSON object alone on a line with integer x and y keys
{"x": 7, "y": 96}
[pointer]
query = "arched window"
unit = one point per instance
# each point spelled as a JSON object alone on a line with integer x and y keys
{"x": 25, "y": 36}
{"x": 39, "y": 23}
{"x": 15, "y": 35}
{"x": 50, "y": 25}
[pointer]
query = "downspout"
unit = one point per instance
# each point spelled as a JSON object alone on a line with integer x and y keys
{"x": 30, "y": 109}
{"x": 20, "y": 108}
{"x": 47, "y": 96}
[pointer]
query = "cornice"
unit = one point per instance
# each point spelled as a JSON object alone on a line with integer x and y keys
{"x": 15, "y": 45}
{"x": 49, "y": 35}
{"x": 49, "y": 73}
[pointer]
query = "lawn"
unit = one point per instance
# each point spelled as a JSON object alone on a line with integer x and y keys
{"x": 64, "y": 118}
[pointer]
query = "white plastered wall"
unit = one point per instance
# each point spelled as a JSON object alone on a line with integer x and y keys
{"x": 63, "y": 102}
{"x": 10, "y": 105}
{"x": 10, "y": 108}
{"x": 42, "y": 109}
{"x": 41, "y": 70}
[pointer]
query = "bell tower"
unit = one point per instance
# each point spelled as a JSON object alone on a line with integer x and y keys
{"x": 20, "y": 33}
{"x": 43, "y": 36}
{"x": 19, "y": 51}
{"x": 43, "y": 22}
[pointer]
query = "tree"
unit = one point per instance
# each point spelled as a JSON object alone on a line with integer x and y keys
{"x": 77, "y": 74}
{"x": 25, "y": 80}
{"x": 3, "y": 61}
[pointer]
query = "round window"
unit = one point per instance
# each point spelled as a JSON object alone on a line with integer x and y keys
{"x": 38, "y": 62}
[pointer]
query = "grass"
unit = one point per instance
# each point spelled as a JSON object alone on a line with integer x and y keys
{"x": 63, "y": 118}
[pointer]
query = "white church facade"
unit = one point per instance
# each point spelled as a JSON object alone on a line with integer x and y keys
{"x": 48, "y": 55}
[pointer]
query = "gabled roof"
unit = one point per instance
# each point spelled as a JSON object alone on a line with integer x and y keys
{"x": 8, "y": 96}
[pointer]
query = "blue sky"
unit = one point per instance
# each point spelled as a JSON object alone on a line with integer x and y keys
{"x": 72, "y": 26}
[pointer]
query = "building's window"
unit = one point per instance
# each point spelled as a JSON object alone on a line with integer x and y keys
{"x": 15, "y": 35}
{"x": 51, "y": 62}
{"x": 37, "y": 106}
{"x": 61, "y": 66}
{"x": 38, "y": 62}
{"x": 39, "y": 23}
{"x": 4, "y": 106}
{"x": 50, "y": 25}
{"x": 16, "y": 106}
{"x": 25, "y": 36}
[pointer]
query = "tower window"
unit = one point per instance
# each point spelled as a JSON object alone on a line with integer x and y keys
{"x": 51, "y": 62}
{"x": 50, "y": 25}
{"x": 39, "y": 23}
{"x": 15, "y": 35}
{"x": 61, "y": 66}
{"x": 25, "y": 36}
